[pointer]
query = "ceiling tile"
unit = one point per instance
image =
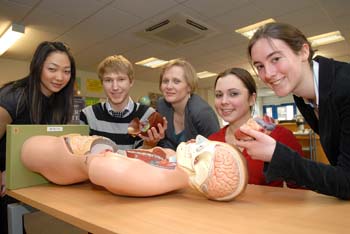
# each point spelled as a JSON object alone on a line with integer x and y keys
{"x": 333, "y": 7}
{"x": 78, "y": 9}
{"x": 313, "y": 16}
{"x": 144, "y": 9}
{"x": 240, "y": 17}
{"x": 105, "y": 24}
{"x": 28, "y": 3}
{"x": 53, "y": 22}
{"x": 211, "y": 9}
{"x": 274, "y": 8}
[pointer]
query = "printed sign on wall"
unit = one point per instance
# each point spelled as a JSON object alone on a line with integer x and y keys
{"x": 93, "y": 85}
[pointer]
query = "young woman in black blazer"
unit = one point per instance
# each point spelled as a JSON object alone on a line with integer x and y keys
{"x": 284, "y": 60}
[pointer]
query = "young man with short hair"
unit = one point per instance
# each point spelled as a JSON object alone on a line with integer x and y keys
{"x": 111, "y": 118}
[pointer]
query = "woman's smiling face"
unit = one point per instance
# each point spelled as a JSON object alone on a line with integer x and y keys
{"x": 56, "y": 73}
{"x": 232, "y": 99}
{"x": 278, "y": 65}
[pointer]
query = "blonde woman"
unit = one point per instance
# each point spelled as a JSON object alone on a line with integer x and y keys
{"x": 188, "y": 115}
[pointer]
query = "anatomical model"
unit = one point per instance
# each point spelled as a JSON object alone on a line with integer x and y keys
{"x": 265, "y": 124}
{"x": 215, "y": 169}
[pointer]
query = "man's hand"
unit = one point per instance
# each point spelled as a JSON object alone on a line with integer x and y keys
{"x": 154, "y": 135}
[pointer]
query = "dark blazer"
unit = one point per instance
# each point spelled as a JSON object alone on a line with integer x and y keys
{"x": 333, "y": 127}
{"x": 200, "y": 118}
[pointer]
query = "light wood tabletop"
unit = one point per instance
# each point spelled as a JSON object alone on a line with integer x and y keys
{"x": 261, "y": 209}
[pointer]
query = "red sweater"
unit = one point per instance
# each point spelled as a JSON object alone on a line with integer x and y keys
{"x": 255, "y": 167}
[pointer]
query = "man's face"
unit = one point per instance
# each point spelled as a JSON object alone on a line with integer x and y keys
{"x": 117, "y": 87}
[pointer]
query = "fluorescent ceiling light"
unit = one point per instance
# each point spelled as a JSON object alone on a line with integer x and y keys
{"x": 249, "y": 31}
{"x": 152, "y": 62}
{"x": 205, "y": 74}
{"x": 326, "y": 38}
{"x": 12, "y": 34}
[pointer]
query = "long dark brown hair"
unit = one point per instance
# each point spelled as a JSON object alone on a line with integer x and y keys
{"x": 292, "y": 36}
{"x": 244, "y": 76}
{"x": 61, "y": 103}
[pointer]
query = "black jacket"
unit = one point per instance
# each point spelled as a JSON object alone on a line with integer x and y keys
{"x": 333, "y": 128}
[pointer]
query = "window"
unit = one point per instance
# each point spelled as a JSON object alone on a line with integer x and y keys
{"x": 285, "y": 111}
{"x": 269, "y": 111}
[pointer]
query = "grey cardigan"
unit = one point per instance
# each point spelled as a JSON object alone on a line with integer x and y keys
{"x": 200, "y": 118}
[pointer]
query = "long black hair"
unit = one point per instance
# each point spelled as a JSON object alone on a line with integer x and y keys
{"x": 60, "y": 103}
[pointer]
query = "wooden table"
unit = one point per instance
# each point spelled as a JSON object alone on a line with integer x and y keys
{"x": 261, "y": 209}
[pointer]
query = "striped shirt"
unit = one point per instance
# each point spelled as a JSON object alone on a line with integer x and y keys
{"x": 101, "y": 123}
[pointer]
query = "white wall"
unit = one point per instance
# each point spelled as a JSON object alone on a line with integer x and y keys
{"x": 275, "y": 100}
{"x": 12, "y": 70}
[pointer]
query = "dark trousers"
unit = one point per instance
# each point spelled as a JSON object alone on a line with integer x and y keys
{"x": 4, "y": 201}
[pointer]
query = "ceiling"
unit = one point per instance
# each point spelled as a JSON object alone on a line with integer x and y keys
{"x": 95, "y": 29}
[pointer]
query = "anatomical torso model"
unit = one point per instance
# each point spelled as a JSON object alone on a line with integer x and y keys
{"x": 215, "y": 169}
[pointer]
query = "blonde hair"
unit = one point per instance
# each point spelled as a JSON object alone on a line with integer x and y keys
{"x": 116, "y": 63}
{"x": 189, "y": 72}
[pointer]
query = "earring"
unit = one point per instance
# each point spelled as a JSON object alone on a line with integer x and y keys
{"x": 252, "y": 110}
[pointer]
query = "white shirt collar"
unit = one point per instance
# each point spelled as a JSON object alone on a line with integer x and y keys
{"x": 129, "y": 107}
{"x": 315, "y": 72}
{"x": 316, "y": 79}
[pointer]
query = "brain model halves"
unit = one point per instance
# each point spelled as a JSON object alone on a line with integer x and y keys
{"x": 265, "y": 125}
{"x": 215, "y": 169}
{"x": 137, "y": 126}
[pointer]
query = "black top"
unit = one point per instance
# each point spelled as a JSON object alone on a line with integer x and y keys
{"x": 333, "y": 127}
{"x": 10, "y": 100}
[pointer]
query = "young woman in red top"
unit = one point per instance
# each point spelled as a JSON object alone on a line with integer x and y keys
{"x": 235, "y": 96}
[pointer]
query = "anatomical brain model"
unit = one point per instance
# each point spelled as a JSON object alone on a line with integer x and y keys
{"x": 215, "y": 169}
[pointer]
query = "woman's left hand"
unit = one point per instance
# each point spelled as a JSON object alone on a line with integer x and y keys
{"x": 261, "y": 148}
